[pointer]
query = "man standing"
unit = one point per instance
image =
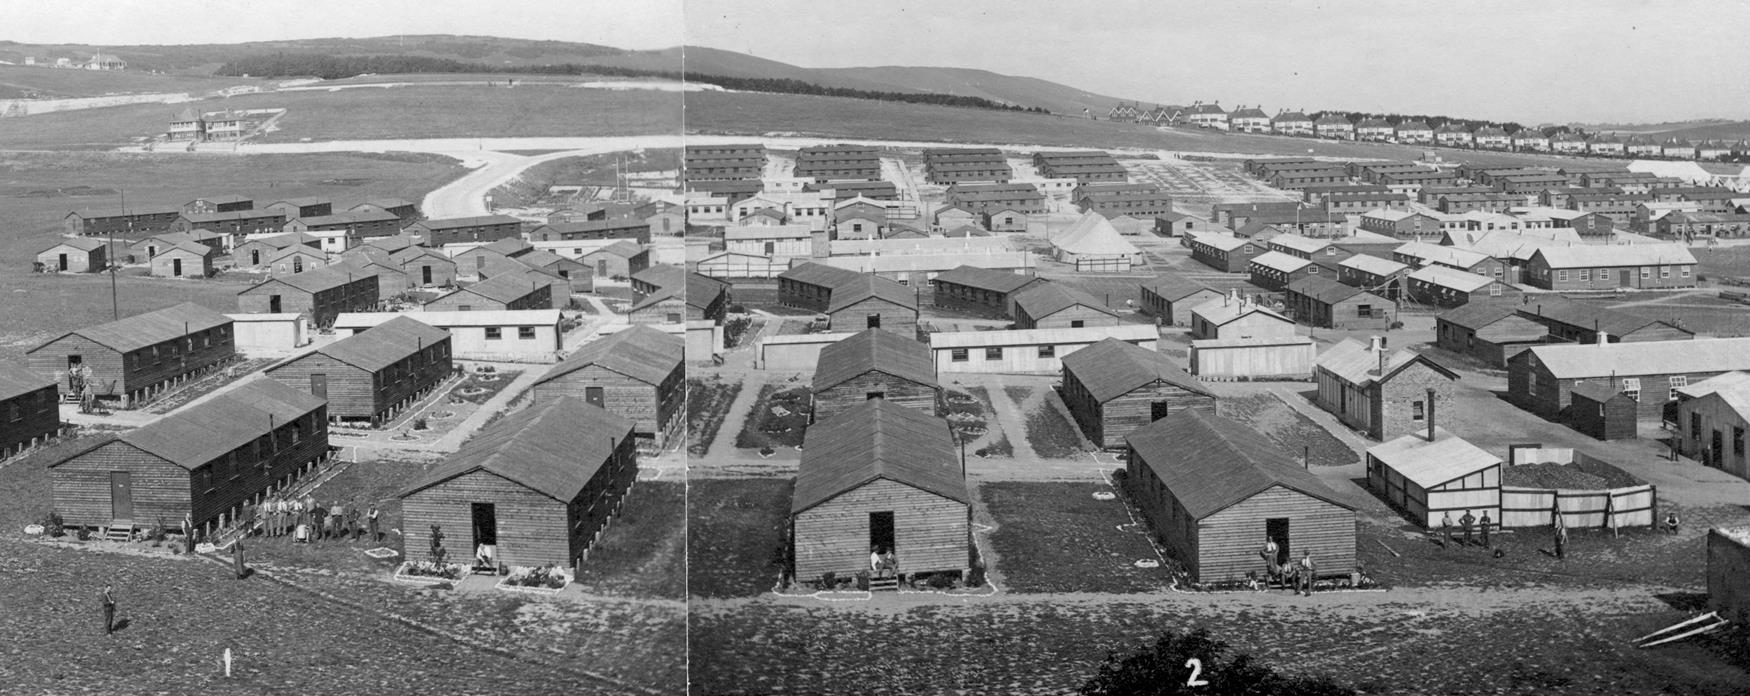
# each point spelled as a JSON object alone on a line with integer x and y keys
{"x": 318, "y": 521}
{"x": 371, "y": 519}
{"x": 237, "y": 558}
{"x": 352, "y": 522}
{"x": 1307, "y": 571}
{"x": 1561, "y": 536}
{"x": 108, "y": 600}
{"x": 1464, "y": 523}
{"x": 336, "y": 518}
{"x": 1270, "y": 552}
{"x": 188, "y": 532}
{"x": 1485, "y": 526}
{"x": 1446, "y": 529}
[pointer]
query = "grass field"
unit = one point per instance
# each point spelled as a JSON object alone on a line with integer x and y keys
{"x": 35, "y": 192}
{"x": 643, "y": 552}
{"x": 18, "y": 81}
{"x": 448, "y": 111}
{"x": 735, "y": 535}
{"x": 1049, "y": 432}
{"x": 707, "y": 405}
{"x": 1055, "y": 537}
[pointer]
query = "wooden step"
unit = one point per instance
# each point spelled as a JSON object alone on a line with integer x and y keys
{"x": 883, "y": 584}
{"x": 119, "y": 530}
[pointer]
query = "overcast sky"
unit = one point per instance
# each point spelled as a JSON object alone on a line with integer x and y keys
{"x": 1549, "y": 60}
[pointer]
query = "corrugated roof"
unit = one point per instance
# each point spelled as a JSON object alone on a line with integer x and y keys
{"x": 1113, "y": 368}
{"x": 641, "y": 352}
{"x": 1434, "y": 253}
{"x": 1596, "y": 391}
{"x": 1278, "y": 261}
{"x": 316, "y": 280}
{"x": 1462, "y": 281}
{"x": 1211, "y": 463}
{"x": 702, "y": 290}
{"x": 1600, "y": 256}
{"x": 818, "y": 274}
{"x": 15, "y": 381}
{"x": 1353, "y": 362}
{"x": 1046, "y": 299}
{"x": 194, "y": 435}
{"x": 1586, "y": 316}
{"x": 553, "y": 448}
{"x": 382, "y": 345}
{"x": 1571, "y": 361}
{"x": 878, "y": 440}
{"x": 1027, "y": 337}
{"x": 987, "y": 279}
{"x": 442, "y": 320}
{"x": 1476, "y": 315}
{"x": 861, "y": 287}
{"x": 141, "y": 330}
{"x": 1223, "y": 242}
{"x": 1429, "y": 464}
{"x": 874, "y": 350}
{"x": 660, "y": 275}
{"x": 1299, "y": 243}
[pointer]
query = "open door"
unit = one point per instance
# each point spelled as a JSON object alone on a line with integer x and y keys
{"x": 1276, "y": 529}
{"x": 176, "y": 267}
{"x": 61, "y": 264}
{"x": 1157, "y": 410}
{"x": 881, "y": 531}
{"x": 273, "y": 304}
{"x": 485, "y": 524}
{"x": 121, "y": 495}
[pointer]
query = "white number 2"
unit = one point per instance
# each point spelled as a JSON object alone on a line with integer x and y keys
{"x": 1196, "y": 679}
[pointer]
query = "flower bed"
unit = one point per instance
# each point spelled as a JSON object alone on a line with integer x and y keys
{"x": 543, "y": 580}
{"x": 429, "y": 573}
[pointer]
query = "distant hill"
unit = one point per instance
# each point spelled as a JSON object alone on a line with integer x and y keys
{"x": 203, "y": 59}
{"x": 1724, "y": 130}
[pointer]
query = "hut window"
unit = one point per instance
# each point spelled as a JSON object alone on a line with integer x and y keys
{"x": 297, "y": 433}
{"x": 957, "y": 354}
{"x": 1562, "y": 276}
{"x": 1664, "y": 271}
{"x": 525, "y": 332}
{"x": 1585, "y": 274}
{"x": 1679, "y": 381}
{"x": 1646, "y": 272}
{"x": 494, "y": 333}
{"x": 1632, "y": 387}
{"x": 13, "y": 413}
{"x": 207, "y": 479}
{"x": 1418, "y": 410}
{"x": 1048, "y": 351}
{"x": 993, "y": 353}
{"x": 1684, "y": 271}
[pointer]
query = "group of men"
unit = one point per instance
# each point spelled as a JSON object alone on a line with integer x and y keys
{"x": 1298, "y": 574}
{"x": 306, "y": 520}
{"x": 1465, "y": 523}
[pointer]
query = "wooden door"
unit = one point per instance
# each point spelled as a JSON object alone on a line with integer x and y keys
{"x": 176, "y": 267}
{"x": 1714, "y": 455}
{"x": 121, "y": 495}
{"x": 425, "y": 275}
{"x": 1627, "y": 278}
{"x": 319, "y": 385}
{"x": 1276, "y": 529}
{"x": 593, "y": 395}
{"x": 62, "y": 262}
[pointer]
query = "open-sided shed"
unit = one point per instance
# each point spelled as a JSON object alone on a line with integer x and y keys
{"x": 884, "y": 476}
{"x": 1429, "y": 478}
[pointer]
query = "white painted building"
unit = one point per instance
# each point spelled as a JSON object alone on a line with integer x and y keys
{"x": 1028, "y": 350}
{"x": 269, "y": 335}
{"x": 523, "y": 335}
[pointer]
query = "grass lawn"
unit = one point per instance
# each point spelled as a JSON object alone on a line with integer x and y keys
{"x": 25, "y": 494}
{"x": 533, "y": 183}
{"x": 735, "y": 535}
{"x": 15, "y": 80}
{"x": 643, "y": 552}
{"x": 765, "y": 428}
{"x": 707, "y": 405}
{"x": 1049, "y": 432}
{"x": 360, "y": 485}
{"x": 1055, "y": 537}
{"x": 1290, "y": 430}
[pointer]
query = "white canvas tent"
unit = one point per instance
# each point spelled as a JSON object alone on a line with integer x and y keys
{"x": 1092, "y": 244}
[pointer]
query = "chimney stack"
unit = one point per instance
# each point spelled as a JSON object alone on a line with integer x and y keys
{"x": 1430, "y": 414}
{"x": 1603, "y": 338}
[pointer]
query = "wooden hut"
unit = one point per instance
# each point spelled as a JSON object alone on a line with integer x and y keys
{"x": 537, "y": 487}
{"x": 1428, "y": 475}
{"x": 1170, "y": 298}
{"x": 1325, "y": 303}
{"x": 204, "y": 460}
{"x": 425, "y": 267}
{"x": 30, "y": 407}
{"x": 183, "y": 260}
{"x": 528, "y": 290}
{"x": 1113, "y": 387}
{"x": 373, "y": 374}
{"x": 1053, "y": 306}
{"x": 638, "y": 374}
{"x": 1236, "y": 317}
{"x": 880, "y": 475}
{"x": 874, "y": 364}
{"x": 1602, "y": 411}
{"x": 873, "y": 302}
{"x": 1491, "y": 332}
{"x": 321, "y": 294}
{"x": 981, "y": 291}
{"x": 1215, "y": 491}
{"x": 141, "y": 355}
{"x": 74, "y": 255}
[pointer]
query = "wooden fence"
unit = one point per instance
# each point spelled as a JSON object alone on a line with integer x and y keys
{"x": 1633, "y": 506}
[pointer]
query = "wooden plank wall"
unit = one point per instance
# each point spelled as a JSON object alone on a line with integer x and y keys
{"x": 848, "y": 394}
{"x": 931, "y": 533}
{"x": 854, "y": 317}
{"x": 1125, "y": 414}
{"x": 140, "y": 370}
{"x": 1229, "y": 540}
{"x": 651, "y": 408}
{"x": 38, "y": 416}
{"x": 531, "y": 526}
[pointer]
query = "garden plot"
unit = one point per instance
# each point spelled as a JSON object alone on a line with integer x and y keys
{"x": 1294, "y": 433}
{"x": 708, "y": 405}
{"x": 1057, "y": 537}
{"x": 1049, "y": 433}
{"x": 778, "y": 419}
{"x": 973, "y": 419}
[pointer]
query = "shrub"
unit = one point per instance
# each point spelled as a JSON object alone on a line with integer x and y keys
{"x": 863, "y": 580}
{"x": 83, "y": 534}
{"x": 829, "y": 580}
{"x": 1162, "y": 669}
{"x": 53, "y": 525}
{"x": 420, "y": 424}
{"x": 940, "y": 581}
{"x": 1397, "y": 325}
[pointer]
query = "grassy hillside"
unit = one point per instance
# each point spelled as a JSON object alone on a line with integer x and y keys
{"x": 198, "y": 58}
{"x": 1730, "y": 130}
{"x": 19, "y": 82}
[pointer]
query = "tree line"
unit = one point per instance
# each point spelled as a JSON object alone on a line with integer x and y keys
{"x": 337, "y": 67}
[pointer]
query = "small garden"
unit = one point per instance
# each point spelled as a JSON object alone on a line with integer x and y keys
{"x": 708, "y": 403}
{"x": 208, "y": 384}
{"x": 778, "y": 419}
{"x": 1057, "y": 537}
{"x": 735, "y": 535}
{"x": 481, "y": 385}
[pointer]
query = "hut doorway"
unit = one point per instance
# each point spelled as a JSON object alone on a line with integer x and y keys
{"x": 62, "y": 262}
{"x": 485, "y": 524}
{"x": 1157, "y": 410}
{"x": 881, "y": 530}
{"x": 1276, "y": 530}
{"x": 593, "y": 396}
{"x": 1713, "y": 458}
{"x": 121, "y": 495}
{"x": 273, "y": 304}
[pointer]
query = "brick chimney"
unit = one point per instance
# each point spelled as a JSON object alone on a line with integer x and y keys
{"x": 1430, "y": 414}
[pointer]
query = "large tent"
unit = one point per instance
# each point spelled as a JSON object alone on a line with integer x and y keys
{"x": 1092, "y": 244}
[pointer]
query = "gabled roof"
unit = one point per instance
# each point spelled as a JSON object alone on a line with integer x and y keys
{"x": 660, "y": 275}
{"x": 553, "y": 448}
{"x": 1476, "y": 315}
{"x": 1586, "y": 315}
{"x": 289, "y": 251}
{"x": 818, "y": 274}
{"x": 1724, "y": 380}
{"x": 985, "y": 278}
{"x": 1221, "y": 312}
{"x": 383, "y": 345}
{"x": 315, "y": 280}
{"x": 1113, "y": 368}
{"x": 1220, "y": 241}
{"x": 1299, "y": 243}
{"x": 408, "y": 254}
{"x": 1434, "y": 253}
{"x": 862, "y": 287}
{"x": 622, "y": 248}
{"x": 643, "y": 353}
{"x": 1173, "y": 288}
{"x": 702, "y": 290}
{"x": 1325, "y": 290}
{"x": 1429, "y": 464}
{"x": 477, "y": 220}
{"x": 1462, "y": 281}
{"x": 16, "y": 381}
{"x": 874, "y": 350}
{"x": 1368, "y": 263}
{"x": 1278, "y": 261}
{"x": 80, "y": 243}
{"x": 281, "y": 241}
{"x": 507, "y": 287}
{"x": 142, "y": 330}
{"x": 1596, "y": 391}
{"x": 1353, "y": 362}
{"x": 1581, "y": 361}
{"x": 1599, "y": 256}
{"x": 195, "y": 435}
{"x": 1211, "y": 463}
{"x": 878, "y": 440}
{"x": 1046, "y": 299}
